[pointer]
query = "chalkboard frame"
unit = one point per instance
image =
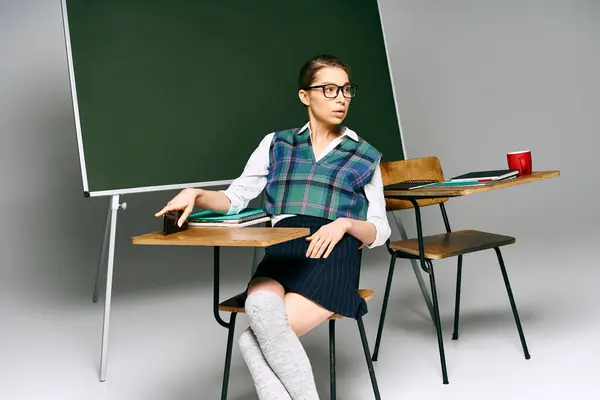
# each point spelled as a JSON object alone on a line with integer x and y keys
{"x": 165, "y": 187}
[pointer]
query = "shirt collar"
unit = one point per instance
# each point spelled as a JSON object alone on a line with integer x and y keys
{"x": 345, "y": 131}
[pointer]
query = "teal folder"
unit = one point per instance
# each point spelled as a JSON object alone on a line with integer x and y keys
{"x": 209, "y": 216}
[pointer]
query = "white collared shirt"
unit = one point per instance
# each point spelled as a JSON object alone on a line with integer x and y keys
{"x": 254, "y": 179}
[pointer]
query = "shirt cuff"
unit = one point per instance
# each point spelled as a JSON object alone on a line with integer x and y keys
{"x": 382, "y": 232}
{"x": 235, "y": 203}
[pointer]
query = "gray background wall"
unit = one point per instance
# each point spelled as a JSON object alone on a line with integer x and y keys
{"x": 474, "y": 80}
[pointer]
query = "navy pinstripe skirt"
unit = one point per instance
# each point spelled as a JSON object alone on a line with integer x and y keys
{"x": 330, "y": 282}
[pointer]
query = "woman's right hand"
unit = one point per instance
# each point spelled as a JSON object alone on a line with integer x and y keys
{"x": 185, "y": 200}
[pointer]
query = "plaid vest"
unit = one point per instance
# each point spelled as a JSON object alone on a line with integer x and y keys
{"x": 330, "y": 188}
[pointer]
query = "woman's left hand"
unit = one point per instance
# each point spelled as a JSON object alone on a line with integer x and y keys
{"x": 325, "y": 239}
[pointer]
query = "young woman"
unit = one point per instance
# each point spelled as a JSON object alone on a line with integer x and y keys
{"x": 322, "y": 176}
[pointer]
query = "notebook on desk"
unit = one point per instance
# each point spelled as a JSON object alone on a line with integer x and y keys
{"x": 482, "y": 176}
{"x": 244, "y": 215}
{"x": 458, "y": 184}
{"x": 249, "y": 216}
{"x": 410, "y": 184}
{"x": 432, "y": 184}
{"x": 228, "y": 224}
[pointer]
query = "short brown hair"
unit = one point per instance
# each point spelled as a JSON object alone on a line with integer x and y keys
{"x": 312, "y": 66}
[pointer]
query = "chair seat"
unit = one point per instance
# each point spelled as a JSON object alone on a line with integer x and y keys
{"x": 452, "y": 244}
{"x": 236, "y": 303}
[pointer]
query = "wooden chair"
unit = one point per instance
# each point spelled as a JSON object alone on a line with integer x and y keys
{"x": 429, "y": 248}
{"x": 235, "y": 305}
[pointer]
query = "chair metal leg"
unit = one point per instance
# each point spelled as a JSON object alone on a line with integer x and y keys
{"x": 457, "y": 300}
{"x": 386, "y": 296}
{"x": 416, "y": 268}
{"x": 512, "y": 303}
{"x": 363, "y": 338}
{"x": 332, "y": 381}
{"x": 438, "y": 323}
{"x": 228, "y": 356}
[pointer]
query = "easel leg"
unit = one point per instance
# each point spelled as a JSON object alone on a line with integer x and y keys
{"x": 109, "y": 275}
{"x": 417, "y": 271}
{"x": 102, "y": 250}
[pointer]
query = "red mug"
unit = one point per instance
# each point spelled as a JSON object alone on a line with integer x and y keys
{"x": 520, "y": 160}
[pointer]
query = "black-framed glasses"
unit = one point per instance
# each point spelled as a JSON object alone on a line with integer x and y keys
{"x": 331, "y": 90}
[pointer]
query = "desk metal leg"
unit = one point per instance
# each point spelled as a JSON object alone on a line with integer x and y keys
{"x": 417, "y": 271}
{"x": 109, "y": 275}
{"x": 216, "y": 261}
{"x": 229, "y": 325}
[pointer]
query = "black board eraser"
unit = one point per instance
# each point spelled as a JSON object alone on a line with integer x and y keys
{"x": 170, "y": 222}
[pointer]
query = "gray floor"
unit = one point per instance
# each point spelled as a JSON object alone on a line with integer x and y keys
{"x": 165, "y": 345}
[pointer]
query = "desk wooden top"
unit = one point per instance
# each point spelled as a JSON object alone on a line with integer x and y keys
{"x": 217, "y": 236}
{"x": 466, "y": 190}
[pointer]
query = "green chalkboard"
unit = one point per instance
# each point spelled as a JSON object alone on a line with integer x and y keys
{"x": 177, "y": 92}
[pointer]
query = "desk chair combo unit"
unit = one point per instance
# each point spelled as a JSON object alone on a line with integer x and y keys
{"x": 256, "y": 237}
{"x": 235, "y": 305}
{"x": 436, "y": 247}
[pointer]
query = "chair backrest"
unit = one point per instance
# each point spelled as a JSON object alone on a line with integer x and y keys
{"x": 414, "y": 168}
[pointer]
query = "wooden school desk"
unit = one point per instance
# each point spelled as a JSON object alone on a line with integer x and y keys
{"x": 218, "y": 237}
{"x": 456, "y": 191}
{"x": 424, "y": 193}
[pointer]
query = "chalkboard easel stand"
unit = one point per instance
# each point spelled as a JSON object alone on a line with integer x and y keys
{"x": 110, "y": 231}
{"x": 108, "y": 242}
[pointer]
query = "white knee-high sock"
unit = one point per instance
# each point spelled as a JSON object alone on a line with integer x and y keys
{"x": 280, "y": 345}
{"x": 268, "y": 386}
